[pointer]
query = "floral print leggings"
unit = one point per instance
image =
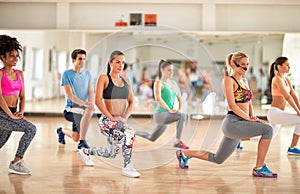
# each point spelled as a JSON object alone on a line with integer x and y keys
{"x": 118, "y": 135}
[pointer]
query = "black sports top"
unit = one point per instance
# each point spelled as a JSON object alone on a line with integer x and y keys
{"x": 115, "y": 92}
{"x": 241, "y": 95}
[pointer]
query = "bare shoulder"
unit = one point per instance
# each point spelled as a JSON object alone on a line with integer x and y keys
{"x": 102, "y": 80}
{"x": 227, "y": 79}
{"x": 20, "y": 72}
{"x": 103, "y": 77}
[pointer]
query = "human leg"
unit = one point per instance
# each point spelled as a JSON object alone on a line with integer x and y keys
{"x": 118, "y": 134}
{"x": 74, "y": 134}
{"x": 85, "y": 121}
{"x": 7, "y": 125}
{"x": 278, "y": 117}
{"x": 4, "y": 136}
{"x": 226, "y": 148}
{"x": 159, "y": 128}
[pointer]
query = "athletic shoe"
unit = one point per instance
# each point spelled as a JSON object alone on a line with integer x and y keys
{"x": 181, "y": 145}
{"x": 85, "y": 157}
{"x": 239, "y": 147}
{"x": 61, "y": 136}
{"x": 182, "y": 161}
{"x": 293, "y": 151}
{"x": 18, "y": 168}
{"x": 130, "y": 171}
{"x": 83, "y": 144}
{"x": 264, "y": 172}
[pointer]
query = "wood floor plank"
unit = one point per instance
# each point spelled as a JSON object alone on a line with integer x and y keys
{"x": 58, "y": 168}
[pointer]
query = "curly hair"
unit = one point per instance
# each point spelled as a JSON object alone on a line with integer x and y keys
{"x": 9, "y": 44}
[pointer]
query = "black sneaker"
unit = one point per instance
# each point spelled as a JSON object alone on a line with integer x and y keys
{"x": 83, "y": 144}
{"x": 61, "y": 136}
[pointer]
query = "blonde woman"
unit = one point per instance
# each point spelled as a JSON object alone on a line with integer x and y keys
{"x": 239, "y": 123}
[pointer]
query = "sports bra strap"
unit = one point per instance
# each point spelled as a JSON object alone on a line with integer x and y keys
{"x": 235, "y": 80}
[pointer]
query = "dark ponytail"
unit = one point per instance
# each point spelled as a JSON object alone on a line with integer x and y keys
{"x": 161, "y": 65}
{"x": 111, "y": 58}
{"x": 274, "y": 66}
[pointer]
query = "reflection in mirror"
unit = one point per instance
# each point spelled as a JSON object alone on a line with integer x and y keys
{"x": 144, "y": 48}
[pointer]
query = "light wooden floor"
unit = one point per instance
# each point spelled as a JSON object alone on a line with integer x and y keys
{"x": 58, "y": 168}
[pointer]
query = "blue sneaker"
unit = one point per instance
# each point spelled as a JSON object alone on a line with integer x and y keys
{"x": 182, "y": 160}
{"x": 263, "y": 172}
{"x": 83, "y": 144}
{"x": 239, "y": 147}
{"x": 293, "y": 151}
{"x": 61, "y": 136}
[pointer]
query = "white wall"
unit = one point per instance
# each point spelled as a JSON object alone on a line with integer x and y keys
{"x": 69, "y": 24}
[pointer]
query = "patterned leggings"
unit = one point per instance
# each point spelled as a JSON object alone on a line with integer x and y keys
{"x": 118, "y": 134}
{"x": 8, "y": 125}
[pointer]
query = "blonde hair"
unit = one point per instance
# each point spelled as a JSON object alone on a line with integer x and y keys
{"x": 234, "y": 57}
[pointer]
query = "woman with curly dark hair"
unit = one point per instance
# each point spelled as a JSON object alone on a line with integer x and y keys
{"x": 12, "y": 103}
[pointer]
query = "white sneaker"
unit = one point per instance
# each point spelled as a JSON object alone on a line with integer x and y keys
{"x": 130, "y": 171}
{"x": 18, "y": 168}
{"x": 86, "y": 158}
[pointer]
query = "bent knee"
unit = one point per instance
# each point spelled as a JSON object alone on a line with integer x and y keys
{"x": 268, "y": 132}
{"x": 31, "y": 129}
{"x": 88, "y": 112}
{"x": 217, "y": 160}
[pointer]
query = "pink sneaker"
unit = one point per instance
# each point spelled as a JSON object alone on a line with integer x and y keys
{"x": 181, "y": 145}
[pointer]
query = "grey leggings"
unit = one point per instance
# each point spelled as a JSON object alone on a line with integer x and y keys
{"x": 163, "y": 119}
{"x": 8, "y": 125}
{"x": 234, "y": 129}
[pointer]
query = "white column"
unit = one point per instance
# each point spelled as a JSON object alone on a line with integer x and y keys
{"x": 62, "y": 16}
{"x": 208, "y": 16}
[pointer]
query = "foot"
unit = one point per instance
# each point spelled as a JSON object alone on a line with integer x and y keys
{"x": 293, "y": 151}
{"x": 263, "y": 172}
{"x": 83, "y": 144}
{"x": 239, "y": 146}
{"x": 181, "y": 145}
{"x": 18, "y": 168}
{"x": 130, "y": 171}
{"x": 85, "y": 157}
{"x": 182, "y": 161}
{"x": 61, "y": 136}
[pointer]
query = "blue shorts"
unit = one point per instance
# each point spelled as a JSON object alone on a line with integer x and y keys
{"x": 75, "y": 119}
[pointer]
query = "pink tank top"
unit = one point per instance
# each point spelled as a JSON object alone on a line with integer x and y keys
{"x": 11, "y": 87}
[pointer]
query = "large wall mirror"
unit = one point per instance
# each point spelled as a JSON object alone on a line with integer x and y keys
{"x": 47, "y": 55}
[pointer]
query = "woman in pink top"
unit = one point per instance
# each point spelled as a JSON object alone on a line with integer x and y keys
{"x": 12, "y": 103}
{"x": 282, "y": 92}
